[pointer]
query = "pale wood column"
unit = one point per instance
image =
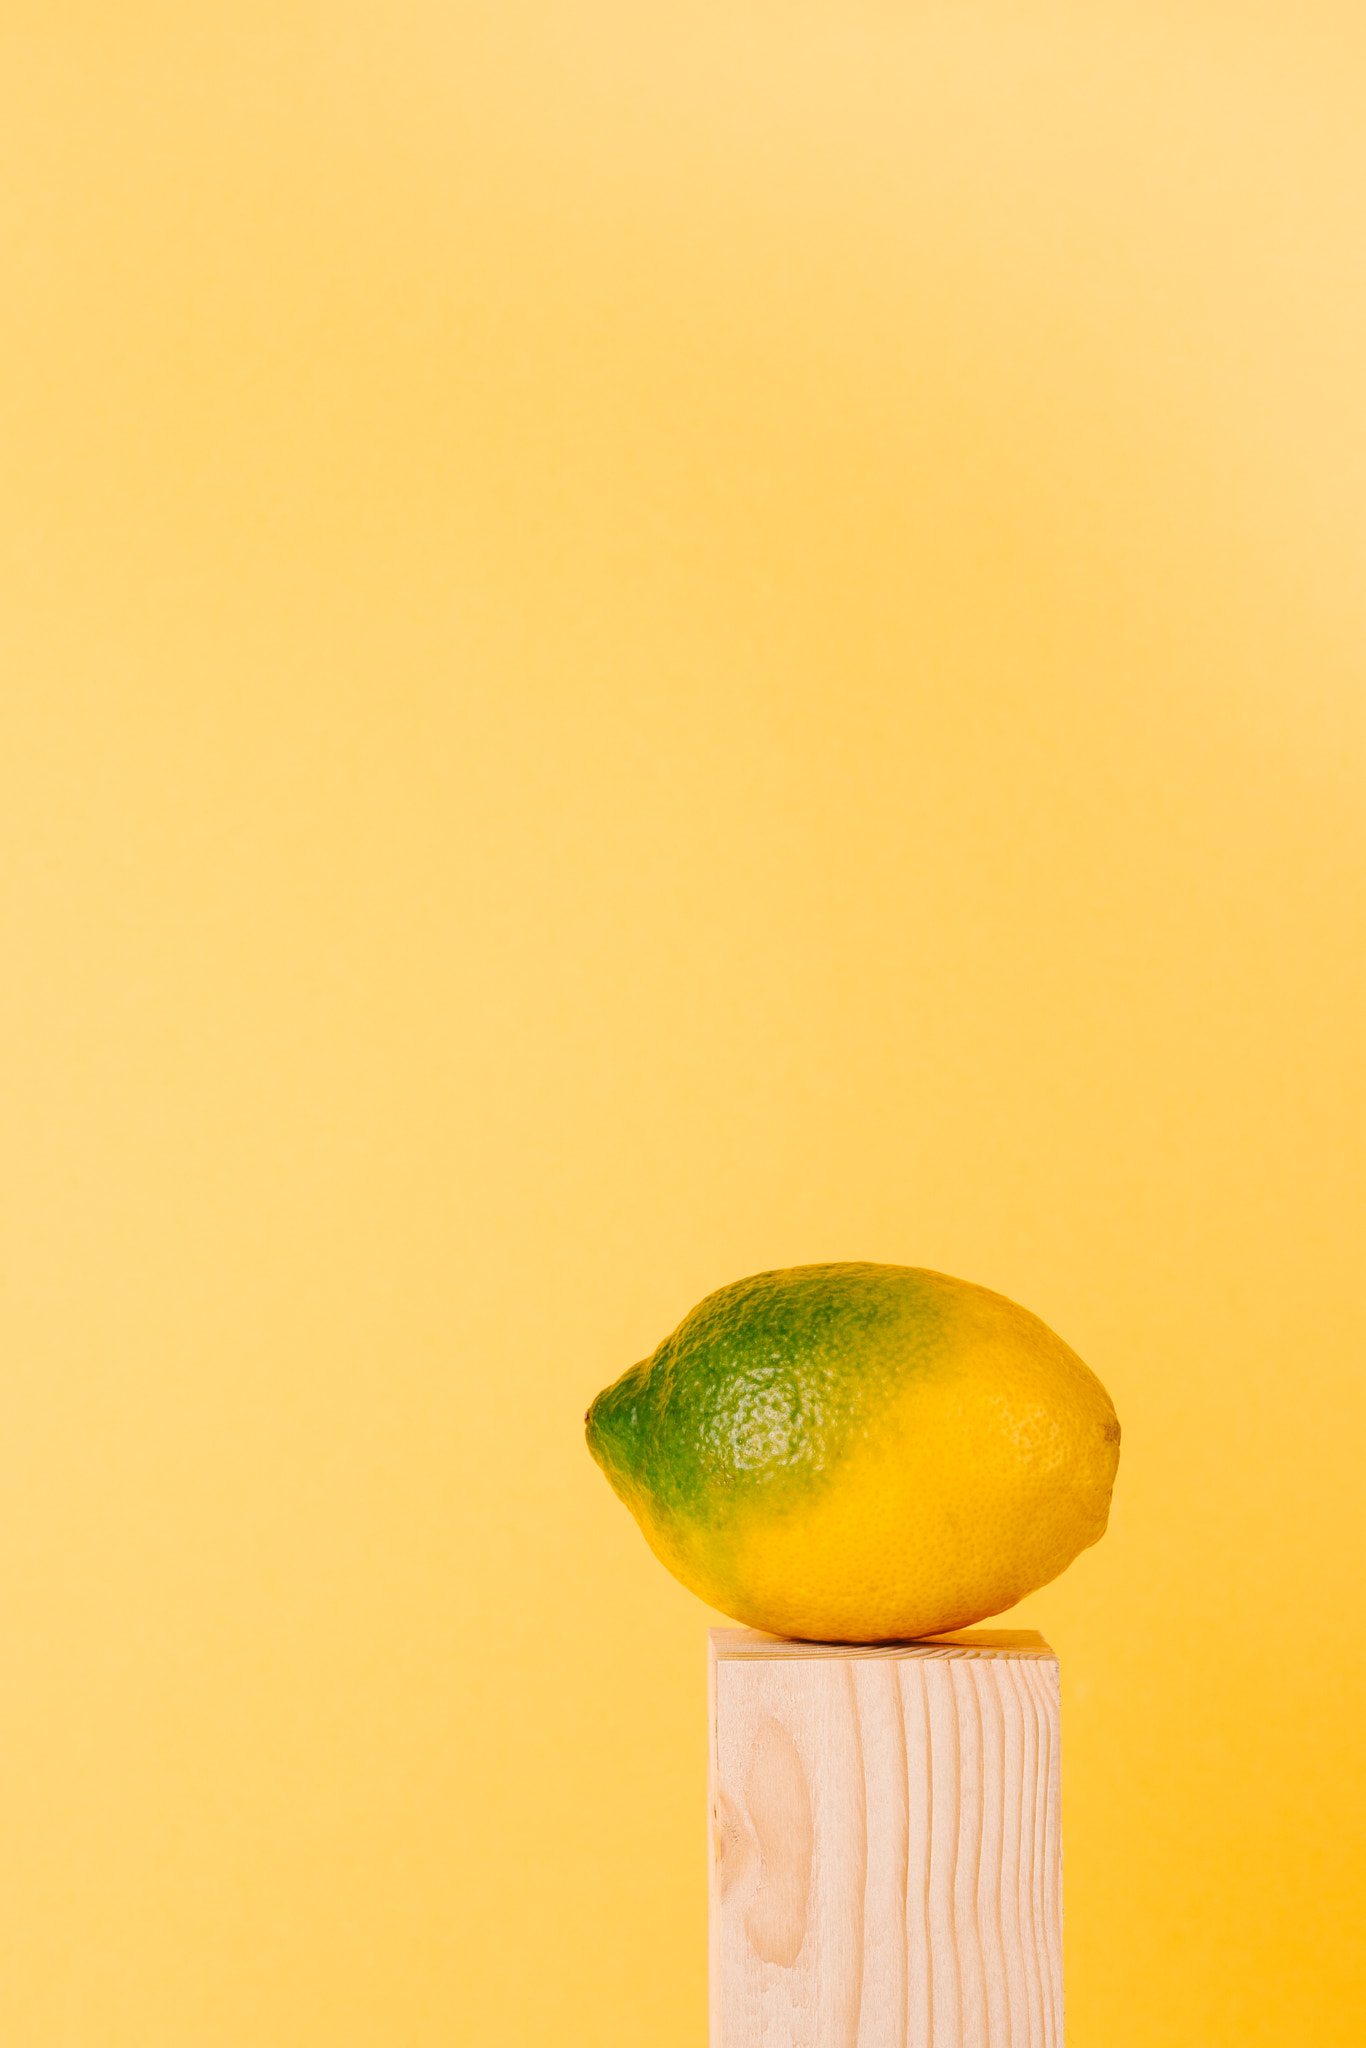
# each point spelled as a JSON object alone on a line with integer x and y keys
{"x": 886, "y": 1865}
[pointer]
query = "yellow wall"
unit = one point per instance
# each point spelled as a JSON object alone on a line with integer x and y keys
{"x": 643, "y": 639}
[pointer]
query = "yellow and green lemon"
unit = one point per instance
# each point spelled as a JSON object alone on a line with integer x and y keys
{"x": 860, "y": 1453}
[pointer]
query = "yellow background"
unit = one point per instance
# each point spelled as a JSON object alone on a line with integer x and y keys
{"x": 643, "y": 639}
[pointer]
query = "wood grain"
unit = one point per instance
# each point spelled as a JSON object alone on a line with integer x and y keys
{"x": 886, "y": 1854}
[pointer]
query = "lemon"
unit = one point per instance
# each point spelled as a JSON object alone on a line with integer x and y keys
{"x": 860, "y": 1453}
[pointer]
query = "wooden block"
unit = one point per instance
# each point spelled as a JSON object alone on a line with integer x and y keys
{"x": 886, "y": 1863}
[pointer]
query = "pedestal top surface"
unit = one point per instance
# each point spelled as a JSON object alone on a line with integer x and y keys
{"x": 728, "y": 1643}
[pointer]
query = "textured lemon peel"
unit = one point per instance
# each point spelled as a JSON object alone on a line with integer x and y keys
{"x": 859, "y": 1452}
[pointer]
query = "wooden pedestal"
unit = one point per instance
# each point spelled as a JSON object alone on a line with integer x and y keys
{"x": 886, "y": 1853}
